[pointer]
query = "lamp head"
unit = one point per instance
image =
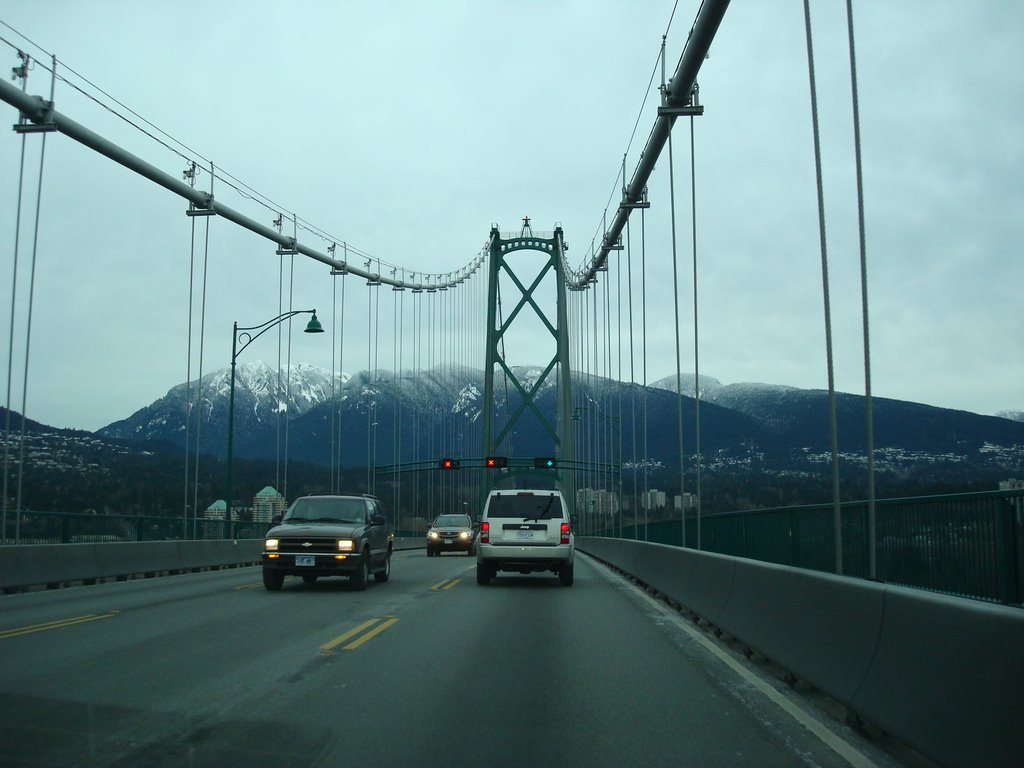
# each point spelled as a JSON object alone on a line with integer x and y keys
{"x": 313, "y": 326}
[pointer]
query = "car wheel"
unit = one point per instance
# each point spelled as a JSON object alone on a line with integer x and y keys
{"x": 309, "y": 578}
{"x": 565, "y": 575}
{"x": 381, "y": 576}
{"x": 361, "y": 575}
{"x": 484, "y": 574}
{"x": 471, "y": 551}
{"x": 430, "y": 552}
{"x": 272, "y": 580}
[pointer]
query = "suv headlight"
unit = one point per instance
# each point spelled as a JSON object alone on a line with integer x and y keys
{"x": 270, "y": 545}
{"x": 346, "y": 545}
{"x": 464, "y": 535}
{"x": 432, "y": 535}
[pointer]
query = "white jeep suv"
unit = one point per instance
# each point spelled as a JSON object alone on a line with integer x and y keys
{"x": 525, "y": 531}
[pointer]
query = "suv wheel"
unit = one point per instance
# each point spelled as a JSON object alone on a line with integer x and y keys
{"x": 272, "y": 580}
{"x": 565, "y": 575}
{"x": 484, "y": 574}
{"x": 359, "y": 577}
{"x": 381, "y": 576}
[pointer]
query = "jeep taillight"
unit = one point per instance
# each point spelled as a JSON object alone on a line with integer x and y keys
{"x": 565, "y": 533}
{"x": 485, "y": 532}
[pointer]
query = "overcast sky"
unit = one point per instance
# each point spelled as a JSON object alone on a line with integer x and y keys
{"x": 407, "y": 128}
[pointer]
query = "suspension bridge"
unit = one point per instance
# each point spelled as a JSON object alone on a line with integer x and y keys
{"x": 581, "y": 407}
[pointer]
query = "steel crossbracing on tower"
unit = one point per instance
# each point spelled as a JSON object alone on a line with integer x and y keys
{"x": 501, "y": 260}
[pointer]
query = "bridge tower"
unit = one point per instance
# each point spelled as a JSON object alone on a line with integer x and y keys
{"x": 497, "y": 437}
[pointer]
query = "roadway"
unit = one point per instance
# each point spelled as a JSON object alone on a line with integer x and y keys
{"x": 208, "y": 669}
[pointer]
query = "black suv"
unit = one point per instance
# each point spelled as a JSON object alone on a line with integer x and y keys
{"x": 329, "y": 536}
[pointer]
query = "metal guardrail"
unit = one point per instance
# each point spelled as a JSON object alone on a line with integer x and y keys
{"x": 970, "y": 544}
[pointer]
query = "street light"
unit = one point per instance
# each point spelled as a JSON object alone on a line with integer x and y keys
{"x": 313, "y": 326}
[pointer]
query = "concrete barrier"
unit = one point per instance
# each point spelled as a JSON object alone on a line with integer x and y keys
{"x": 943, "y": 674}
{"x": 32, "y": 565}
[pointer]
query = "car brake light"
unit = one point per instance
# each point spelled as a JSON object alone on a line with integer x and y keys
{"x": 565, "y": 533}
{"x": 485, "y": 533}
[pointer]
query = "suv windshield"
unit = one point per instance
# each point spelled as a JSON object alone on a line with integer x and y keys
{"x": 453, "y": 521}
{"x": 532, "y": 506}
{"x": 327, "y": 511}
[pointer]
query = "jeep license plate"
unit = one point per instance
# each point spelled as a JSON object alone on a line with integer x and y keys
{"x": 305, "y": 559}
{"x": 524, "y": 534}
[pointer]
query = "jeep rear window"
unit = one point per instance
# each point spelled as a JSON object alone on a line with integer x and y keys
{"x": 537, "y": 506}
{"x": 328, "y": 510}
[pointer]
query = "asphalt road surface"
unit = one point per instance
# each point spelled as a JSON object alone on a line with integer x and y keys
{"x": 209, "y": 669}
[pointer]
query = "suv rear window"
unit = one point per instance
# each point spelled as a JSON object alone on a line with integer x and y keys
{"x": 532, "y": 506}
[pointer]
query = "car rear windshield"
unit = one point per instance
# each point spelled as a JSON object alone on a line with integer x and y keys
{"x": 539, "y": 506}
{"x": 453, "y": 521}
{"x": 328, "y": 510}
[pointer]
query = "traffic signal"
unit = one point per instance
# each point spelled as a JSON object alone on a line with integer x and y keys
{"x": 496, "y": 462}
{"x": 545, "y": 462}
{"x": 448, "y": 463}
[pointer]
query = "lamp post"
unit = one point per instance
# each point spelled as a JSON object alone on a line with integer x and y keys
{"x": 313, "y": 326}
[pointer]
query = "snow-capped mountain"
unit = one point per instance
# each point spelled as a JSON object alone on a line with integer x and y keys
{"x": 418, "y": 414}
{"x": 262, "y": 394}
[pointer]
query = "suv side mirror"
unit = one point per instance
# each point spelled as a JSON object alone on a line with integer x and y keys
{"x": 276, "y": 519}
{"x": 377, "y": 520}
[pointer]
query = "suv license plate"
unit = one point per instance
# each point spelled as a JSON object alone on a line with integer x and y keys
{"x": 447, "y": 541}
{"x": 524, "y": 534}
{"x": 305, "y": 559}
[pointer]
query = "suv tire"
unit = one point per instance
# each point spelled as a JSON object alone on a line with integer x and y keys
{"x": 565, "y": 575}
{"x": 484, "y": 574}
{"x": 381, "y": 576}
{"x": 359, "y": 577}
{"x": 272, "y": 580}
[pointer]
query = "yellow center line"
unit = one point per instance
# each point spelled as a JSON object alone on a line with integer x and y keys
{"x": 328, "y": 647}
{"x": 372, "y": 633}
{"x": 55, "y": 624}
{"x": 453, "y": 583}
{"x": 440, "y": 584}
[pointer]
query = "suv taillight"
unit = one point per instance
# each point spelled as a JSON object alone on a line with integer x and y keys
{"x": 565, "y": 533}
{"x": 485, "y": 532}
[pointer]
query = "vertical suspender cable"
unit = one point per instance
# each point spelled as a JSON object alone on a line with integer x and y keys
{"x": 10, "y": 342}
{"x": 334, "y": 374}
{"x": 341, "y": 371}
{"x": 618, "y": 387}
{"x": 277, "y": 405}
{"x": 31, "y": 300}
{"x": 288, "y": 375}
{"x": 632, "y": 378}
{"x": 836, "y": 511}
{"x": 400, "y": 337}
{"x": 675, "y": 305}
{"x": 696, "y": 328}
{"x": 872, "y": 564}
{"x": 202, "y": 343}
{"x": 188, "y": 357}
{"x": 643, "y": 316}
